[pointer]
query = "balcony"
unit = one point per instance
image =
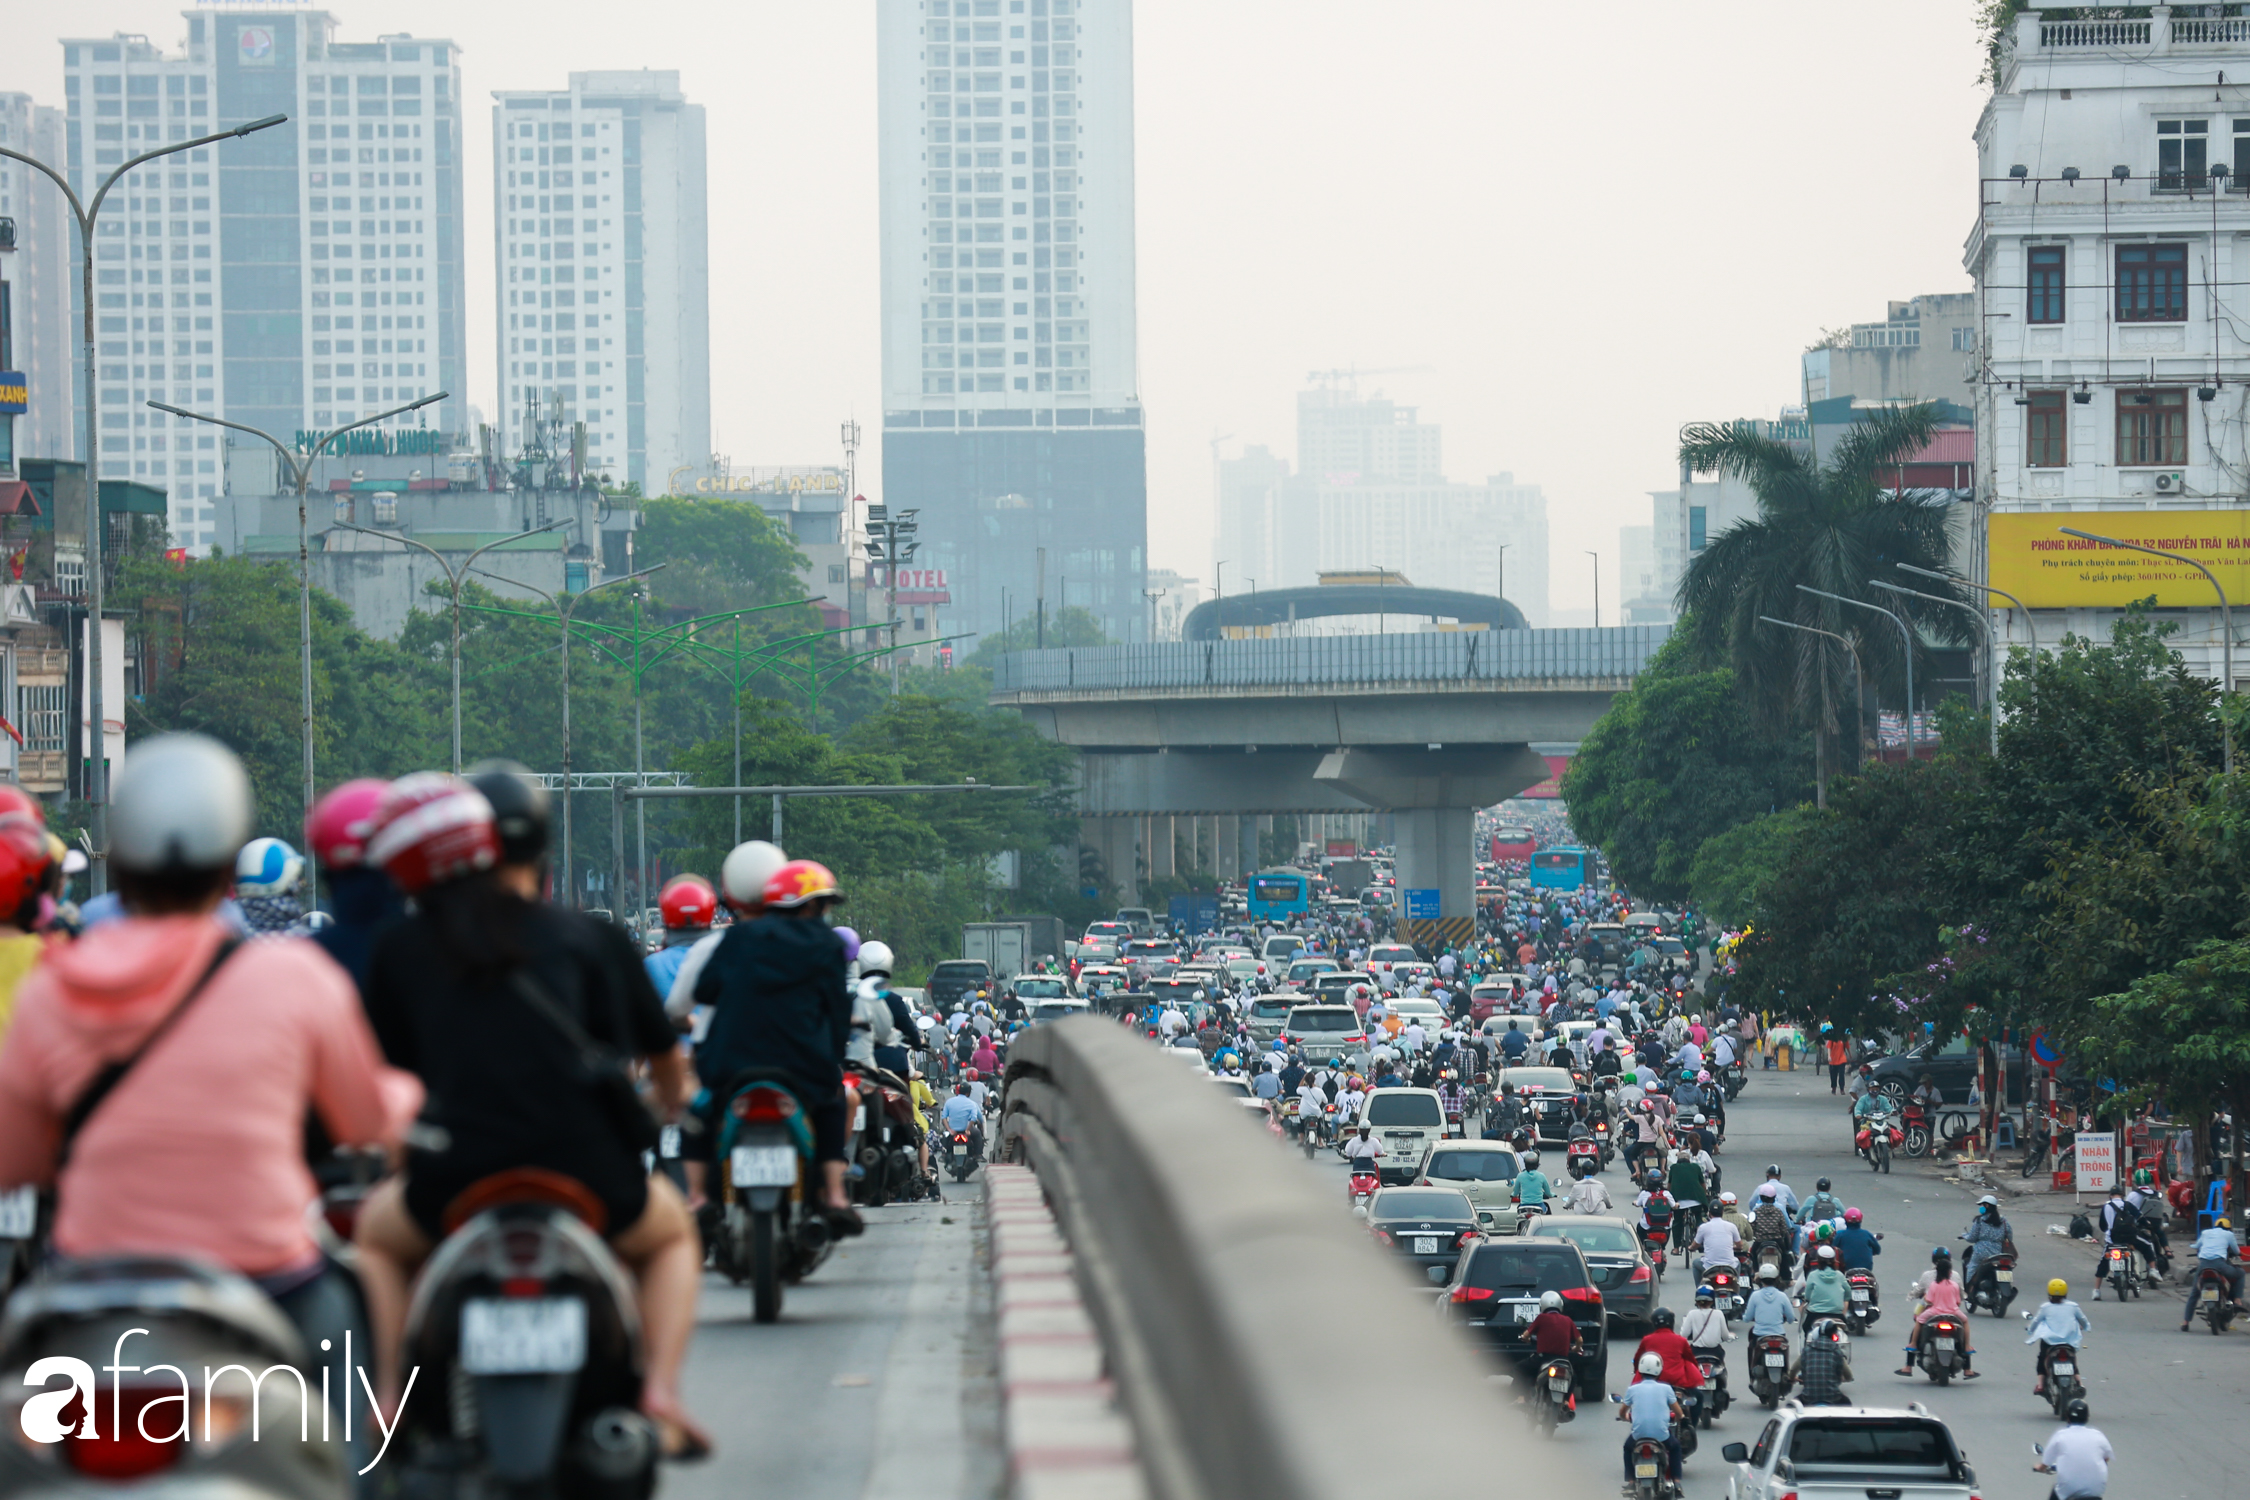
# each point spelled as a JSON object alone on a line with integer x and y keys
{"x": 2158, "y": 34}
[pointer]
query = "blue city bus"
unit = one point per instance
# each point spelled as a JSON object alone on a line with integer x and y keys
{"x": 1562, "y": 869}
{"x": 1278, "y": 895}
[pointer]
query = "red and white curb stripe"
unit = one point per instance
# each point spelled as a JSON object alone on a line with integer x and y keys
{"x": 1065, "y": 1436}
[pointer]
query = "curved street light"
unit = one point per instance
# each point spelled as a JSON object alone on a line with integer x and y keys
{"x": 2226, "y": 618}
{"x": 1902, "y": 630}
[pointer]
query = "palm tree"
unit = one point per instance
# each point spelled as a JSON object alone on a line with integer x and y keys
{"x": 1832, "y": 528}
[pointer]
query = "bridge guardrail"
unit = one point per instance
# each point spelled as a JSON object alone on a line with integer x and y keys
{"x": 1219, "y": 1273}
{"x": 1292, "y": 661}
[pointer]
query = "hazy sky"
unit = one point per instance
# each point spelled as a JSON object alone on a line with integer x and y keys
{"x": 1593, "y": 222}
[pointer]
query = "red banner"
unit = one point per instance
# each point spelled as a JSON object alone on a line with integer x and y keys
{"x": 1551, "y": 788}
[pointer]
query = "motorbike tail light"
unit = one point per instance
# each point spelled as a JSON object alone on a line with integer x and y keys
{"x": 125, "y": 1452}
{"x": 523, "y": 1286}
{"x": 763, "y": 1106}
{"x": 1473, "y": 1294}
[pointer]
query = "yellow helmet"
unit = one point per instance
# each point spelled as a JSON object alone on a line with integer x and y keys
{"x": 2058, "y": 1287}
{"x": 2221, "y": 1224}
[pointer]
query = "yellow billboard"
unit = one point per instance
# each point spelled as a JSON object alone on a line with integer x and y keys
{"x": 2032, "y": 559}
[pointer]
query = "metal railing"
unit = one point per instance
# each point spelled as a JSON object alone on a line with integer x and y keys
{"x": 1500, "y": 656}
{"x": 1210, "y": 1260}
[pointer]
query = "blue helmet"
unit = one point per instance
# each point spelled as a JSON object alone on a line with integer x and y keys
{"x": 267, "y": 867}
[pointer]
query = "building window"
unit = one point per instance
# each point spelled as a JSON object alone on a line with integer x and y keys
{"x": 1964, "y": 340}
{"x": 2181, "y": 146}
{"x": 2046, "y": 444}
{"x": 2152, "y": 283}
{"x": 2152, "y": 429}
{"x": 1695, "y": 534}
{"x": 2046, "y": 283}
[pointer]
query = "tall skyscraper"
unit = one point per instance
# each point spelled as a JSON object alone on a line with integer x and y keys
{"x": 43, "y": 342}
{"x": 1011, "y": 377}
{"x": 300, "y": 277}
{"x": 602, "y": 262}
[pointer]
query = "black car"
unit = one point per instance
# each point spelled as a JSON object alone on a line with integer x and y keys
{"x": 1495, "y": 1293}
{"x": 1428, "y": 1227}
{"x": 1952, "y": 1067}
{"x": 957, "y": 980}
{"x": 1550, "y": 1094}
{"x": 1614, "y": 1258}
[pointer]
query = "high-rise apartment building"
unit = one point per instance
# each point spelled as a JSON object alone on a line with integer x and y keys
{"x": 602, "y": 264}
{"x": 1011, "y": 375}
{"x": 42, "y": 340}
{"x": 301, "y": 277}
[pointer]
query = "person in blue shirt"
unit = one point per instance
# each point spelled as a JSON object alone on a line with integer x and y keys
{"x": 2214, "y": 1251}
{"x": 1531, "y": 1184}
{"x": 1856, "y": 1249}
{"x": 962, "y": 1113}
{"x": 2058, "y": 1322}
{"x": 688, "y": 904}
{"x": 1650, "y": 1406}
{"x": 1769, "y": 1311}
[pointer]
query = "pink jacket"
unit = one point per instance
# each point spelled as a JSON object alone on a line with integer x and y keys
{"x": 200, "y": 1150}
{"x": 1940, "y": 1299}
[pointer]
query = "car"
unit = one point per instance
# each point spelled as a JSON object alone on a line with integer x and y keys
{"x": 1035, "y": 987}
{"x": 1953, "y": 1067}
{"x": 1486, "y": 1171}
{"x": 1406, "y": 976}
{"x": 956, "y": 981}
{"x": 1106, "y": 980}
{"x": 1427, "y": 1013}
{"x": 1426, "y": 1227}
{"x": 1645, "y": 924}
{"x": 1495, "y": 1292}
{"x": 1409, "y": 1123}
{"x": 1335, "y": 987}
{"x": 1280, "y": 947}
{"x": 1269, "y": 1016}
{"x": 1549, "y": 1093}
{"x": 1497, "y": 997}
{"x": 1614, "y": 1259}
{"x": 1114, "y": 932}
{"x": 1324, "y": 1031}
{"x": 1057, "y": 1010}
{"x": 1139, "y": 918}
{"x": 1303, "y": 972}
{"x": 1243, "y": 969}
{"x": 1168, "y": 989}
{"x": 1831, "y": 1452}
{"x": 1383, "y": 957}
{"x": 1190, "y": 1055}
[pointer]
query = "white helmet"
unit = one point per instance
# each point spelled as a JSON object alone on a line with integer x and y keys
{"x": 267, "y": 867}
{"x": 182, "y": 802}
{"x": 875, "y": 958}
{"x": 1652, "y": 1364}
{"x": 1550, "y": 1302}
{"x": 742, "y": 879}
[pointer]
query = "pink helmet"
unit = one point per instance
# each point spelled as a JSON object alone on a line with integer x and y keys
{"x": 1852, "y": 1216}
{"x": 337, "y": 830}
{"x": 433, "y": 828}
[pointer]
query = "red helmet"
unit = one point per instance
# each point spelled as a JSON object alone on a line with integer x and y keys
{"x": 688, "y": 901}
{"x": 968, "y": 1075}
{"x": 799, "y": 881}
{"x": 14, "y": 799}
{"x": 341, "y": 821}
{"x": 432, "y": 828}
{"x": 24, "y": 858}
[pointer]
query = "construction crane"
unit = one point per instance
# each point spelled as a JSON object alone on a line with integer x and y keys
{"x": 1351, "y": 376}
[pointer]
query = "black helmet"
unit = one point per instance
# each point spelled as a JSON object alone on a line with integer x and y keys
{"x": 519, "y": 808}
{"x": 2074, "y": 1412}
{"x": 1661, "y": 1318}
{"x": 1823, "y": 1187}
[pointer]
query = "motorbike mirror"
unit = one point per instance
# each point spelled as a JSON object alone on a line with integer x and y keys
{"x": 1735, "y": 1453}
{"x": 2038, "y": 1450}
{"x": 1359, "y": 1211}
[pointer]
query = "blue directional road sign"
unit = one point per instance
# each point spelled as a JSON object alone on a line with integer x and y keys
{"x": 1422, "y": 905}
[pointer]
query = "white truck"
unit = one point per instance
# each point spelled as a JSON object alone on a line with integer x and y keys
{"x": 1006, "y": 946}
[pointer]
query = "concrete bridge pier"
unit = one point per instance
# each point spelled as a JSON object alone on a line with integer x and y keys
{"x": 1226, "y": 829}
{"x": 1162, "y": 861}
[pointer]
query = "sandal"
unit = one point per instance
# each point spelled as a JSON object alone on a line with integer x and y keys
{"x": 678, "y": 1443}
{"x": 844, "y": 1222}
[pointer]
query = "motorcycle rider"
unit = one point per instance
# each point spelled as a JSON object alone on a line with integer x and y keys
{"x": 1824, "y": 1365}
{"x": 197, "y": 1148}
{"x": 1589, "y": 1196}
{"x": 1718, "y": 1243}
{"x": 2059, "y": 1321}
{"x": 687, "y": 905}
{"x": 2077, "y": 1455}
{"x": 27, "y": 868}
{"x": 1937, "y": 1295}
{"x": 1769, "y": 1311}
{"x": 1988, "y": 1235}
{"x": 1663, "y": 1340}
{"x": 1651, "y": 1406}
{"x": 1364, "y": 1152}
{"x": 460, "y": 992}
{"x": 1550, "y": 1335}
{"x": 1532, "y": 1186}
{"x": 1506, "y": 1114}
{"x": 962, "y": 1112}
{"x": 363, "y": 897}
{"x": 1826, "y": 1292}
{"x": 1781, "y": 1192}
{"x": 1769, "y": 1225}
{"x": 2214, "y": 1251}
{"x": 2156, "y": 1243}
{"x": 1823, "y": 1204}
{"x": 1705, "y": 1328}
{"x": 2121, "y": 1229}
{"x": 266, "y": 876}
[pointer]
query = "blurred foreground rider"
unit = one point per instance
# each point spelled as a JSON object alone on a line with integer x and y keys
{"x": 362, "y": 897}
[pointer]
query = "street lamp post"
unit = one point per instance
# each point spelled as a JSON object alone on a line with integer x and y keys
{"x": 2226, "y": 618}
{"x": 300, "y": 478}
{"x": 2029, "y": 627}
{"x": 1501, "y": 592}
{"x": 97, "y": 760}
{"x": 453, "y": 578}
{"x": 1992, "y": 703}
{"x": 1859, "y": 690}
{"x": 563, "y": 606}
{"x": 1597, "y": 557}
{"x": 1905, "y": 632}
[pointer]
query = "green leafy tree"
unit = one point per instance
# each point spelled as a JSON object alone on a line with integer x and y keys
{"x": 1673, "y": 764}
{"x": 718, "y": 554}
{"x": 2181, "y": 1034}
{"x": 1734, "y": 868}
{"x": 1075, "y": 626}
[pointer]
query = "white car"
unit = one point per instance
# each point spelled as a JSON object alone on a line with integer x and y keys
{"x": 1409, "y": 1123}
{"x": 1845, "y": 1452}
{"x": 1406, "y": 976}
{"x": 1243, "y": 969}
{"x": 1428, "y": 1012}
{"x": 1384, "y": 957}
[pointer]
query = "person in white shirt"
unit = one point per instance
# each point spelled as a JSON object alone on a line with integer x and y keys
{"x": 1718, "y": 1243}
{"x": 2078, "y": 1455}
{"x": 1588, "y": 1196}
{"x": 1413, "y": 1037}
{"x": 1171, "y": 1023}
{"x": 1722, "y": 1052}
{"x": 1705, "y": 1327}
{"x": 1363, "y": 1147}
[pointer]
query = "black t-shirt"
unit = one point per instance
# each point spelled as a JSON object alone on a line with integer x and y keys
{"x": 503, "y": 1082}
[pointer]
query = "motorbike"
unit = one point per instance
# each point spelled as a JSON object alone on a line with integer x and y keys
{"x": 1860, "y": 1310}
{"x": 1945, "y": 1340}
{"x": 1715, "y": 1396}
{"x": 2121, "y": 1271}
{"x": 1652, "y": 1241}
{"x": 2211, "y": 1291}
{"x": 527, "y": 1336}
{"x": 1769, "y": 1368}
{"x": 961, "y": 1155}
{"x": 2064, "y": 1383}
{"x": 768, "y": 1233}
{"x": 1917, "y": 1140}
{"x": 1584, "y": 1157}
{"x": 1994, "y": 1285}
{"x": 1553, "y": 1402}
{"x": 1364, "y": 1181}
{"x": 887, "y": 1143}
{"x": 1877, "y": 1140}
{"x": 1650, "y": 1479}
{"x": 1727, "y": 1295}
{"x": 184, "y": 1315}
{"x": 1764, "y": 1257}
{"x": 1735, "y": 1079}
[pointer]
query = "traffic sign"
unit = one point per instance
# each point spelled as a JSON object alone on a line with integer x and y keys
{"x": 1422, "y": 904}
{"x": 2044, "y": 1051}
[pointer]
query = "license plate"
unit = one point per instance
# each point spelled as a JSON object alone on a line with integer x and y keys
{"x": 19, "y": 1213}
{"x": 1644, "y": 1471}
{"x": 764, "y": 1166}
{"x": 2004, "y": 1275}
{"x": 668, "y": 1143}
{"x": 1946, "y": 1344}
{"x": 523, "y": 1335}
{"x": 1525, "y": 1312}
{"x": 2065, "y": 1369}
{"x": 1774, "y": 1361}
{"x": 1558, "y": 1386}
{"x": 859, "y": 1118}
{"x": 1425, "y": 1244}
{"x": 1859, "y": 1296}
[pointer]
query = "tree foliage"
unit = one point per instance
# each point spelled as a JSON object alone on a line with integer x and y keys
{"x": 1732, "y": 869}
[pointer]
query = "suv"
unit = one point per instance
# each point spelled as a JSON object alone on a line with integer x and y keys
{"x": 1495, "y": 1292}
{"x": 956, "y": 980}
{"x": 1409, "y": 1122}
{"x": 1324, "y": 1031}
{"x": 1823, "y": 1451}
{"x": 1384, "y": 957}
{"x": 1269, "y": 1016}
{"x": 1278, "y": 948}
{"x": 1952, "y": 1067}
{"x": 1486, "y": 1171}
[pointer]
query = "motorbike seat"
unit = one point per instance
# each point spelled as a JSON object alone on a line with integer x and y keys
{"x": 72, "y": 1291}
{"x": 527, "y": 1186}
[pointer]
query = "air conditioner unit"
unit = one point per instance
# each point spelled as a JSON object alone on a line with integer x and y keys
{"x": 2171, "y": 484}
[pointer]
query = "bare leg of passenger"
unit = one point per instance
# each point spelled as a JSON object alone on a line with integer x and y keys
{"x": 698, "y": 1178}
{"x": 391, "y": 1248}
{"x": 666, "y": 1258}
